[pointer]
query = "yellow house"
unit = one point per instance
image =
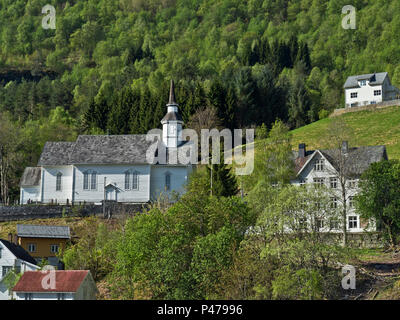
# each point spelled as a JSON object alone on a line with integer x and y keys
{"x": 43, "y": 242}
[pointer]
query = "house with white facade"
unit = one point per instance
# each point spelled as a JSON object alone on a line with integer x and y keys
{"x": 111, "y": 167}
{"x": 369, "y": 89}
{"x": 13, "y": 257}
{"x": 324, "y": 167}
{"x": 60, "y": 285}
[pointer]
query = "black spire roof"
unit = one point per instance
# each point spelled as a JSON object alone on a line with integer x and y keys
{"x": 172, "y": 100}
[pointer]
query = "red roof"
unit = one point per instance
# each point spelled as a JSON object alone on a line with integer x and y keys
{"x": 65, "y": 281}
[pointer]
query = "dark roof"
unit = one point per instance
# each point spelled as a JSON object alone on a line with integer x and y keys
{"x": 374, "y": 78}
{"x": 357, "y": 160}
{"x": 66, "y": 281}
{"x": 56, "y": 153}
{"x": 116, "y": 149}
{"x": 172, "y": 100}
{"x": 31, "y": 177}
{"x": 18, "y": 251}
{"x": 172, "y": 116}
{"x": 38, "y": 231}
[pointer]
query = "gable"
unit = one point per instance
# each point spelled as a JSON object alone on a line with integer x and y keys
{"x": 17, "y": 251}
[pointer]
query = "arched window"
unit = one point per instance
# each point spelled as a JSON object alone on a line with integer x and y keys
{"x": 86, "y": 180}
{"x": 135, "y": 180}
{"x": 58, "y": 181}
{"x": 93, "y": 181}
{"x": 167, "y": 181}
{"x": 127, "y": 180}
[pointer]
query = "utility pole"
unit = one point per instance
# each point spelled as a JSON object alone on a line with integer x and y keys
{"x": 211, "y": 179}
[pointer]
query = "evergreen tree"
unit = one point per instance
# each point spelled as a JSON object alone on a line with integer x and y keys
{"x": 224, "y": 182}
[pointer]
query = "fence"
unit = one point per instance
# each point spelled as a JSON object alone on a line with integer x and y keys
{"x": 370, "y": 107}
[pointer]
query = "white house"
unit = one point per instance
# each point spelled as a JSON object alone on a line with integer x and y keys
{"x": 61, "y": 285}
{"x": 110, "y": 167}
{"x": 321, "y": 167}
{"x": 369, "y": 89}
{"x": 13, "y": 257}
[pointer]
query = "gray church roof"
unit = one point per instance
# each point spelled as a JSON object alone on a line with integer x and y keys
{"x": 374, "y": 78}
{"x": 38, "y": 231}
{"x": 103, "y": 149}
{"x": 31, "y": 177}
{"x": 114, "y": 149}
{"x": 56, "y": 153}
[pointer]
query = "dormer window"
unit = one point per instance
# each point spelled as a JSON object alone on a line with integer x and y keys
{"x": 58, "y": 181}
{"x": 363, "y": 83}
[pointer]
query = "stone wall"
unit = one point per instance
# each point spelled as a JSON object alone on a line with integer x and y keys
{"x": 359, "y": 239}
{"x": 370, "y": 107}
{"x": 26, "y": 212}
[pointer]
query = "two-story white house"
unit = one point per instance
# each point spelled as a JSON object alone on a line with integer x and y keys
{"x": 369, "y": 89}
{"x": 110, "y": 167}
{"x": 13, "y": 257}
{"x": 324, "y": 167}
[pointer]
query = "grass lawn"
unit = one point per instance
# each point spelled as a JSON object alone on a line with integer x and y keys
{"x": 379, "y": 127}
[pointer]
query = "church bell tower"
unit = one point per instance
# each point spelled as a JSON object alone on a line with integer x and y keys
{"x": 172, "y": 122}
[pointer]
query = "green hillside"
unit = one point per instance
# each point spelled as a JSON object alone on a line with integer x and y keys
{"x": 379, "y": 127}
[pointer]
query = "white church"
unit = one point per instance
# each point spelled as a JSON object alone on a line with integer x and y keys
{"x": 108, "y": 167}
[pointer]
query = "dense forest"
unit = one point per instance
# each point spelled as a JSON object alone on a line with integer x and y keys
{"x": 106, "y": 66}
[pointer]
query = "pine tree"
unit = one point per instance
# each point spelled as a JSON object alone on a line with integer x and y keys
{"x": 224, "y": 182}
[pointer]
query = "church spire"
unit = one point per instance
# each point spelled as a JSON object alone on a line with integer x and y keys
{"x": 172, "y": 100}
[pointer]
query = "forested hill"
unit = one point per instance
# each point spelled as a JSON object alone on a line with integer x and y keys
{"x": 253, "y": 60}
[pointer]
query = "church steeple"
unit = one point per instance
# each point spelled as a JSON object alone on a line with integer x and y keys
{"x": 172, "y": 94}
{"x": 172, "y": 122}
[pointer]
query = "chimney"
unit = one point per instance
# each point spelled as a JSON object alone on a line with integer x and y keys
{"x": 15, "y": 239}
{"x": 302, "y": 150}
{"x": 345, "y": 147}
{"x": 10, "y": 237}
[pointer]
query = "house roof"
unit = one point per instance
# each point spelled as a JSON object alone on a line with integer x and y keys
{"x": 18, "y": 251}
{"x": 66, "y": 281}
{"x": 31, "y": 177}
{"x": 374, "y": 78}
{"x": 356, "y": 161}
{"x": 37, "y": 231}
{"x": 56, "y": 153}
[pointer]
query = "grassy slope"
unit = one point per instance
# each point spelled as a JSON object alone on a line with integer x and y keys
{"x": 380, "y": 127}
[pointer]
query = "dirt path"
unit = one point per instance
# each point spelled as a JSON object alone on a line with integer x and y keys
{"x": 377, "y": 278}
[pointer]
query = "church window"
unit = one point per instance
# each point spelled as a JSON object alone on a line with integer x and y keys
{"x": 58, "y": 181}
{"x": 167, "y": 181}
{"x": 127, "y": 180}
{"x": 93, "y": 182}
{"x": 86, "y": 180}
{"x": 135, "y": 181}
